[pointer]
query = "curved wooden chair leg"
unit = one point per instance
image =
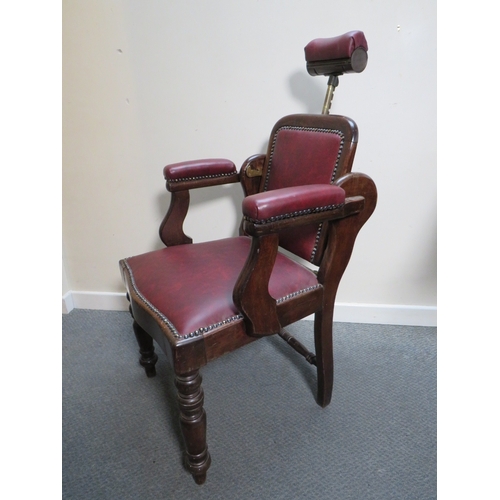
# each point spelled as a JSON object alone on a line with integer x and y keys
{"x": 323, "y": 340}
{"x": 148, "y": 357}
{"x": 193, "y": 424}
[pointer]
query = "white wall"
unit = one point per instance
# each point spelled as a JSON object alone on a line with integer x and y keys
{"x": 155, "y": 82}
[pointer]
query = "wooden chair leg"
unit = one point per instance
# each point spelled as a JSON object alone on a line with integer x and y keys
{"x": 324, "y": 355}
{"x": 193, "y": 424}
{"x": 148, "y": 357}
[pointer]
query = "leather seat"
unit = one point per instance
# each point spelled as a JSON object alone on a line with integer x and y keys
{"x": 190, "y": 286}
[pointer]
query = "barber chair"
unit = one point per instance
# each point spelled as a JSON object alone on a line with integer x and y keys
{"x": 200, "y": 301}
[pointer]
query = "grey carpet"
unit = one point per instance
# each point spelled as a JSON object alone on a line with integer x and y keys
{"x": 267, "y": 437}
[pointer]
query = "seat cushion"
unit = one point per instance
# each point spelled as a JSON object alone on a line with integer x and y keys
{"x": 191, "y": 286}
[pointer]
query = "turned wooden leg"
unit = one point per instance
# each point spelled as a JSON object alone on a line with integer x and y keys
{"x": 324, "y": 356}
{"x": 193, "y": 424}
{"x": 148, "y": 357}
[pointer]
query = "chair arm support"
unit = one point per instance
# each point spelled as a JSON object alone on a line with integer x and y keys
{"x": 343, "y": 232}
{"x": 358, "y": 184}
{"x": 199, "y": 173}
{"x": 181, "y": 177}
{"x": 273, "y": 211}
{"x": 265, "y": 214}
{"x": 171, "y": 232}
{"x": 251, "y": 291}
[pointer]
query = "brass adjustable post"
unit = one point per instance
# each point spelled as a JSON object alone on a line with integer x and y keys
{"x": 333, "y": 81}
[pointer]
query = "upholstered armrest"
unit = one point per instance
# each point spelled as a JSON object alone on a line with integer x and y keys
{"x": 199, "y": 173}
{"x": 287, "y": 202}
{"x": 272, "y": 211}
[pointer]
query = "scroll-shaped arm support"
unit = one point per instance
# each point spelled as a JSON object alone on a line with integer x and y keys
{"x": 265, "y": 214}
{"x": 343, "y": 233}
{"x": 181, "y": 177}
{"x": 251, "y": 291}
{"x": 358, "y": 184}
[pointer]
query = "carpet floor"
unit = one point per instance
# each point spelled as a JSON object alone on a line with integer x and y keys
{"x": 267, "y": 437}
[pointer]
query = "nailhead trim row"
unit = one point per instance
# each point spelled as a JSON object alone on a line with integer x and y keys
{"x": 208, "y": 328}
{"x": 316, "y": 241}
{"x": 299, "y": 292}
{"x": 298, "y": 213}
{"x": 151, "y": 306}
{"x": 200, "y": 177}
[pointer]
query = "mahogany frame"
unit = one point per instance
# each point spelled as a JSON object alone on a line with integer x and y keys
{"x": 262, "y": 314}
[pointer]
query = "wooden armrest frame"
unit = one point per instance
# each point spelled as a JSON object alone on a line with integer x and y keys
{"x": 251, "y": 292}
{"x": 251, "y": 174}
{"x": 202, "y": 182}
{"x": 251, "y": 177}
{"x": 171, "y": 231}
{"x": 171, "y": 228}
{"x": 343, "y": 232}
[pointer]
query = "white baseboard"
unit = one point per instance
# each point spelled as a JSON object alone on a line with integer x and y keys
{"x": 381, "y": 314}
{"x": 67, "y": 303}
{"x": 95, "y": 300}
{"x": 386, "y": 314}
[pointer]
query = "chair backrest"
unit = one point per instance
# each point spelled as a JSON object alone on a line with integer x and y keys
{"x": 308, "y": 149}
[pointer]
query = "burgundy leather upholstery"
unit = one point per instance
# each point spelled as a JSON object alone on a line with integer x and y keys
{"x": 302, "y": 156}
{"x": 305, "y": 150}
{"x": 191, "y": 286}
{"x": 338, "y": 47}
{"x": 292, "y": 201}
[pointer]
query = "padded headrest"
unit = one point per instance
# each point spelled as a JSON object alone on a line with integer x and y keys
{"x": 346, "y": 53}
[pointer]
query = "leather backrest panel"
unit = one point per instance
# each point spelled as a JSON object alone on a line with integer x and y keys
{"x": 308, "y": 149}
{"x": 300, "y": 156}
